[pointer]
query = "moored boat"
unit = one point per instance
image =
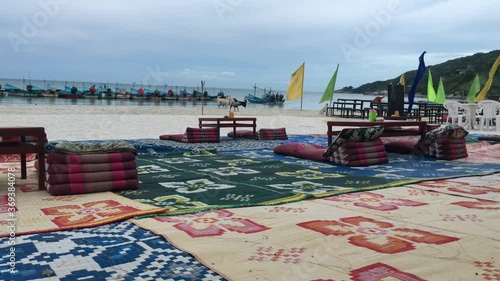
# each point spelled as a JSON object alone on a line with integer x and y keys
{"x": 268, "y": 97}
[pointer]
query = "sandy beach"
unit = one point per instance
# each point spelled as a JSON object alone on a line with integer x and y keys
{"x": 72, "y": 123}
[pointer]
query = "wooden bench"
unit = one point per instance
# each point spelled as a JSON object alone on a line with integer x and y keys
{"x": 24, "y": 147}
{"x": 421, "y": 131}
{"x": 347, "y": 108}
{"x": 237, "y": 122}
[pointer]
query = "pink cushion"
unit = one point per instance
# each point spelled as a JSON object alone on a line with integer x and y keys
{"x": 313, "y": 154}
{"x": 172, "y": 137}
{"x": 355, "y": 154}
{"x": 490, "y": 138}
{"x": 242, "y": 134}
{"x": 272, "y": 134}
{"x": 193, "y": 135}
{"x": 400, "y": 146}
{"x": 293, "y": 148}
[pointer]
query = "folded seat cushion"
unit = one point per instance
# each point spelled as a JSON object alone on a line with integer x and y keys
{"x": 243, "y": 134}
{"x": 351, "y": 153}
{"x": 194, "y": 135}
{"x": 78, "y": 167}
{"x": 272, "y": 134}
{"x": 302, "y": 150}
{"x": 363, "y": 134}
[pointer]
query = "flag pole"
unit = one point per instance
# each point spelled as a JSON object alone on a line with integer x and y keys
{"x": 302, "y": 87}
{"x": 202, "y": 95}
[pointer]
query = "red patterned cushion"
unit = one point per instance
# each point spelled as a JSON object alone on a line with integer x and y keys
{"x": 242, "y": 134}
{"x": 360, "y": 150}
{"x": 400, "y": 146}
{"x": 89, "y": 187}
{"x": 193, "y": 135}
{"x": 273, "y": 134}
{"x": 172, "y": 137}
{"x": 364, "y": 134}
{"x": 293, "y": 148}
{"x": 490, "y": 138}
{"x": 349, "y": 154}
{"x": 313, "y": 154}
{"x": 361, "y": 144}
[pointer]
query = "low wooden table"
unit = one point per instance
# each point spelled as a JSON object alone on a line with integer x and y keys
{"x": 237, "y": 122}
{"x": 387, "y": 123}
{"x": 23, "y": 147}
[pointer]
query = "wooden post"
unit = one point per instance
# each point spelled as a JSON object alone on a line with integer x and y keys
{"x": 202, "y": 95}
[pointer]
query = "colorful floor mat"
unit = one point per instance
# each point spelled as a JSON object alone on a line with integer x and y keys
{"x": 398, "y": 233}
{"x": 192, "y": 182}
{"x": 25, "y": 209}
{"x": 117, "y": 251}
{"x": 400, "y": 167}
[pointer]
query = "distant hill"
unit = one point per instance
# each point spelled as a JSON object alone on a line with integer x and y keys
{"x": 457, "y": 76}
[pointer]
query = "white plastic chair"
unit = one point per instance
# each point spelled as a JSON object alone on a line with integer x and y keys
{"x": 488, "y": 113}
{"x": 455, "y": 113}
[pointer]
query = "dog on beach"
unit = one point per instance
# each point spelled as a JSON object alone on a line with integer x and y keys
{"x": 323, "y": 110}
{"x": 235, "y": 104}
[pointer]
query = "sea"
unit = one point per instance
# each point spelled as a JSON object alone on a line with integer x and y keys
{"x": 310, "y": 100}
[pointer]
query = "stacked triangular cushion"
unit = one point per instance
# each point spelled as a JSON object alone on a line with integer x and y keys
{"x": 445, "y": 143}
{"x": 358, "y": 147}
{"x": 194, "y": 135}
{"x": 74, "y": 168}
{"x": 353, "y": 153}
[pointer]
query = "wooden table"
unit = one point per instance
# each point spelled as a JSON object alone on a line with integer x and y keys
{"x": 23, "y": 147}
{"x": 237, "y": 122}
{"x": 387, "y": 123}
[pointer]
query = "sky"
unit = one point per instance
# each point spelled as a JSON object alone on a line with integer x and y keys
{"x": 238, "y": 43}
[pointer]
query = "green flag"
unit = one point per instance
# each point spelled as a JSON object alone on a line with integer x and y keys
{"x": 328, "y": 94}
{"x": 431, "y": 94}
{"x": 440, "y": 97}
{"x": 474, "y": 89}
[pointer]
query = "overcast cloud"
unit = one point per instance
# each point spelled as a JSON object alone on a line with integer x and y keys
{"x": 237, "y": 43}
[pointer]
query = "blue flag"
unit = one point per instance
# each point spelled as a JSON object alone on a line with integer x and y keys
{"x": 420, "y": 73}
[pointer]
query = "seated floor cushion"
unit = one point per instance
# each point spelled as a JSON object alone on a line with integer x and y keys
{"x": 362, "y": 134}
{"x": 490, "y": 138}
{"x": 172, "y": 137}
{"x": 194, "y": 135}
{"x": 351, "y": 153}
{"x": 451, "y": 133}
{"x": 400, "y": 146}
{"x": 272, "y": 134}
{"x": 243, "y": 134}
{"x": 302, "y": 150}
{"x": 83, "y": 167}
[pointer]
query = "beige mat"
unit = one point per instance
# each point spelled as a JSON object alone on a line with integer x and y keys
{"x": 24, "y": 209}
{"x": 401, "y": 233}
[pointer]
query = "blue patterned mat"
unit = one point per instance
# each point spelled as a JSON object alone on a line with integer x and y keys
{"x": 118, "y": 251}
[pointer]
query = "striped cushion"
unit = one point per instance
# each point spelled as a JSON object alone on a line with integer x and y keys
{"x": 242, "y": 134}
{"x": 356, "y": 154}
{"x": 193, "y": 135}
{"x": 172, "y": 137}
{"x": 273, "y": 134}
{"x": 448, "y": 149}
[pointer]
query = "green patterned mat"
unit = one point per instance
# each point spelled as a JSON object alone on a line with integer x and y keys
{"x": 192, "y": 182}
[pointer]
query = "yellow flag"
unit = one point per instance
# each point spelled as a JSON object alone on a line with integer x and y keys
{"x": 294, "y": 90}
{"x": 487, "y": 86}
{"x": 402, "y": 80}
